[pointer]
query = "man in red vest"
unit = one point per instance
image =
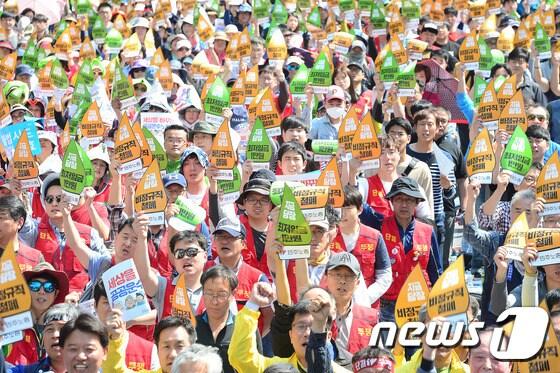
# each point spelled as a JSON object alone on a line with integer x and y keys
{"x": 364, "y": 243}
{"x": 409, "y": 242}
{"x": 353, "y": 321}
{"x": 140, "y": 354}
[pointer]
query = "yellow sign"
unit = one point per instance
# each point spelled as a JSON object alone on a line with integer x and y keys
{"x": 413, "y": 294}
{"x": 488, "y": 110}
{"x": 87, "y": 50}
{"x": 516, "y": 238}
{"x": 237, "y": 93}
{"x": 8, "y": 66}
{"x": 145, "y": 151}
{"x": 365, "y": 144}
{"x": 522, "y": 36}
{"x": 416, "y": 49}
{"x": 157, "y": 58}
{"x": 244, "y": 46}
{"x": 92, "y": 126}
{"x": 398, "y": 51}
{"x": 469, "y": 52}
{"x": 268, "y": 114}
{"x": 513, "y": 114}
{"x": 164, "y": 75}
{"x": 127, "y": 148}
{"x": 505, "y": 40}
{"x": 449, "y": 296}
{"x": 330, "y": 177}
{"x": 547, "y": 243}
{"x": 150, "y": 196}
{"x": 312, "y": 200}
{"x": 180, "y": 304}
{"x": 548, "y": 185}
{"x": 16, "y": 296}
{"x": 506, "y": 91}
{"x": 481, "y": 159}
{"x": 277, "y": 50}
{"x": 342, "y": 42}
{"x": 63, "y": 45}
{"x": 222, "y": 155}
{"x": 347, "y": 129}
{"x": 204, "y": 27}
{"x": 251, "y": 84}
{"x": 26, "y": 169}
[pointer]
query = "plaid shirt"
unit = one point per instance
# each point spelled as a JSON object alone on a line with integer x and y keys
{"x": 499, "y": 221}
{"x": 116, "y": 216}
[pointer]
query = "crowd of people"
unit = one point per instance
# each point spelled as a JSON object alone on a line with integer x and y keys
{"x": 251, "y": 310}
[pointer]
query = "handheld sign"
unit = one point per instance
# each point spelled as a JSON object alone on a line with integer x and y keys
{"x": 542, "y": 42}
{"x": 548, "y": 185}
{"x": 91, "y": 126}
{"x": 77, "y": 172}
{"x": 8, "y": 66}
{"x": 513, "y": 114}
{"x": 277, "y": 50}
{"x": 449, "y": 295}
{"x": 127, "y": 148}
{"x": 346, "y": 132}
{"x": 320, "y": 76}
{"x": 5, "y": 117}
{"x": 58, "y": 78}
{"x": 469, "y": 52}
{"x": 407, "y": 81}
{"x": 113, "y": 41}
{"x": 488, "y": 110}
{"x": 416, "y": 49}
{"x": 189, "y": 216}
{"x": 216, "y": 99}
{"x": 330, "y": 177}
{"x": 547, "y": 243}
{"x": 311, "y": 199}
{"x": 150, "y": 196}
{"x": 158, "y": 152}
{"x": 516, "y": 238}
{"x": 378, "y": 21}
{"x": 165, "y": 78}
{"x": 365, "y": 145}
{"x": 125, "y": 291}
{"x": 413, "y": 294}
{"x": 299, "y": 82}
{"x": 268, "y": 113}
{"x": 26, "y": 169}
{"x": 251, "y": 84}
{"x": 522, "y": 36}
{"x": 486, "y": 61}
{"x": 259, "y": 147}
{"x": 481, "y": 159}
{"x": 505, "y": 40}
{"x": 517, "y": 156}
{"x": 389, "y": 70}
{"x": 505, "y": 91}
{"x": 145, "y": 152}
{"x": 180, "y": 304}
{"x": 277, "y": 189}
{"x": 122, "y": 88}
{"x": 292, "y": 229}
{"x": 10, "y": 135}
{"x": 324, "y": 150}
{"x": 230, "y": 189}
{"x": 237, "y": 93}
{"x": 222, "y": 154}
{"x": 16, "y": 301}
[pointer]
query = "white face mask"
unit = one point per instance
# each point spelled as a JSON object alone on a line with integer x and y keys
{"x": 335, "y": 112}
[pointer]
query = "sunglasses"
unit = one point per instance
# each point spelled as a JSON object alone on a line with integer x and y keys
{"x": 292, "y": 67}
{"x": 190, "y": 252}
{"x": 50, "y": 199}
{"x": 540, "y": 118}
{"x": 36, "y": 285}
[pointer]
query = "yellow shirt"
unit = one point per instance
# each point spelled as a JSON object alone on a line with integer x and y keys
{"x": 115, "y": 362}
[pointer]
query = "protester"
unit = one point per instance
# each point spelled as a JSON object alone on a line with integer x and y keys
{"x": 198, "y": 359}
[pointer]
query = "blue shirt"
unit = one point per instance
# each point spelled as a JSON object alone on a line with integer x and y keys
{"x": 552, "y": 147}
{"x": 322, "y": 129}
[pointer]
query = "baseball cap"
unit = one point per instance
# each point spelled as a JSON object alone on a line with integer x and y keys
{"x": 508, "y": 21}
{"x": 99, "y": 152}
{"x": 357, "y": 62}
{"x": 335, "y": 92}
{"x": 203, "y": 127}
{"x": 359, "y": 44}
{"x": 183, "y": 43}
{"x": 430, "y": 27}
{"x": 24, "y": 70}
{"x": 49, "y": 135}
{"x": 232, "y": 227}
{"x": 263, "y": 173}
{"x": 260, "y": 186}
{"x": 344, "y": 260}
{"x": 294, "y": 59}
{"x": 406, "y": 186}
{"x": 140, "y": 22}
{"x": 202, "y": 157}
{"x": 324, "y": 223}
{"x": 140, "y": 64}
{"x": 174, "y": 178}
{"x": 7, "y": 45}
{"x": 245, "y": 8}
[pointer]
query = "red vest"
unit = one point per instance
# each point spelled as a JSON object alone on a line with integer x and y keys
{"x": 376, "y": 197}
{"x": 364, "y": 250}
{"x": 27, "y": 257}
{"x": 103, "y": 195}
{"x": 250, "y": 253}
{"x": 291, "y": 274}
{"x": 159, "y": 259}
{"x": 69, "y": 263}
{"x": 26, "y": 351}
{"x": 138, "y": 353}
{"x": 81, "y": 214}
{"x": 168, "y": 301}
{"x": 402, "y": 264}
{"x": 363, "y": 321}
{"x": 36, "y": 205}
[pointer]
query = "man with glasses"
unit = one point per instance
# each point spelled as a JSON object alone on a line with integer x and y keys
{"x": 215, "y": 326}
{"x": 537, "y": 114}
{"x": 174, "y": 143}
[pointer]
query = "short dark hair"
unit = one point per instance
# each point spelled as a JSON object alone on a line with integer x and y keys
{"x": 125, "y": 223}
{"x": 220, "y": 271}
{"x": 440, "y": 53}
{"x": 332, "y": 215}
{"x": 40, "y": 18}
{"x": 292, "y": 122}
{"x": 175, "y": 127}
{"x": 538, "y": 165}
{"x": 99, "y": 291}
{"x": 281, "y": 368}
{"x": 190, "y": 236}
{"x": 553, "y": 298}
{"x": 300, "y": 308}
{"x": 519, "y": 53}
{"x": 450, "y": 10}
{"x": 372, "y": 352}
{"x": 401, "y": 122}
{"x": 419, "y": 106}
{"x": 255, "y": 40}
{"x": 537, "y": 132}
{"x": 175, "y": 322}
{"x": 498, "y": 66}
{"x": 14, "y": 206}
{"x": 292, "y": 146}
{"x": 85, "y": 323}
{"x": 353, "y": 197}
{"x": 423, "y": 114}
{"x": 104, "y": 5}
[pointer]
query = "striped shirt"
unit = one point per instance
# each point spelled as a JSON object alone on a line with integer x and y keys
{"x": 430, "y": 160}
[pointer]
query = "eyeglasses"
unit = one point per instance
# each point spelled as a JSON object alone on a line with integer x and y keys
{"x": 220, "y": 297}
{"x": 530, "y": 179}
{"x": 50, "y": 199}
{"x": 535, "y": 140}
{"x": 292, "y": 67}
{"x": 190, "y": 252}
{"x": 301, "y": 327}
{"x": 36, "y": 285}
{"x": 540, "y": 118}
{"x": 340, "y": 277}
{"x": 255, "y": 201}
{"x": 183, "y": 49}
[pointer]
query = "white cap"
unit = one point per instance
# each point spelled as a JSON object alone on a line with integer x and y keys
{"x": 140, "y": 22}
{"x": 48, "y": 135}
{"x": 99, "y": 152}
{"x": 294, "y": 59}
{"x": 183, "y": 43}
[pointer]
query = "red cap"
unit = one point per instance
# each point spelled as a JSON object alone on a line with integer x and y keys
{"x": 7, "y": 45}
{"x": 335, "y": 92}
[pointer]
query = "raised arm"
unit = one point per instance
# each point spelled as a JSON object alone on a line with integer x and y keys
{"x": 73, "y": 239}
{"x": 489, "y": 207}
{"x": 141, "y": 259}
{"x": 96, "y": 220}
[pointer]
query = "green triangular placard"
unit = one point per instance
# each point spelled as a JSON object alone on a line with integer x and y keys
{"x": 158, "y": 152}
{"x": 292, "y": 229}
{"x": 299, "y": 81}
{"x": 76, "y": 172}
{"x": 410, "y": 10}
{"x": 216, "y": 99}
{"x": 377, "y": 17}
{"x": 486, "y": 61}
{"x": 30, "y": 56}
{"x": 389, "y": 70}
{"x": 517, "y": 157}
{"x": 230, "y": 189}
{"x": 114, "y": 41}
{"x": 98, "y": 31}
{"x": 320, "y": 74}
{"x": 479, "y": 88}
{"x": 542, "y": 42}
{"x": 122, "y": 89}
{"x": 58, "y": 75}
{"x": 279, "y": 13}
{"x": 407, "y": 81}
{"x": 259, "y": 146}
